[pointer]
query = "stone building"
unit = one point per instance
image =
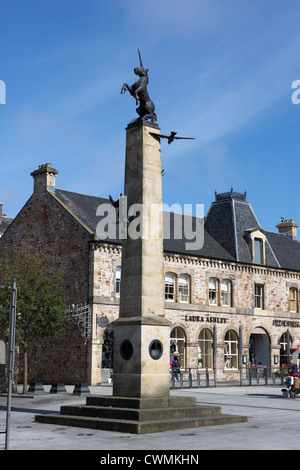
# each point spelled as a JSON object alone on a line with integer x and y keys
{"x": 232, "y": 303}
{"x": 4, "y": 221}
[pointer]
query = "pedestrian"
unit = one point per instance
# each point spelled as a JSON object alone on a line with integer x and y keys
{"x": 292, "y": 368}
{"x": 176, "y": 367}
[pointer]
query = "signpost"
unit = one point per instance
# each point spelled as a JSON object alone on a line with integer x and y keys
{"x": 11, "y": 355}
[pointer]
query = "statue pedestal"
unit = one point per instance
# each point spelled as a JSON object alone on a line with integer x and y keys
{"x": 141, "y": 357}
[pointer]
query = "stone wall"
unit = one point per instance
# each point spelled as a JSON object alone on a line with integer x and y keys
{"x": 198, "y": 314}
{"x": 48, "y": 227}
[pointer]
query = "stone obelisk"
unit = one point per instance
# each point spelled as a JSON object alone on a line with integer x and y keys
{"x": 142, "y": 333}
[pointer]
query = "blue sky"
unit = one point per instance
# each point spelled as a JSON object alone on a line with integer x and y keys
{"x": 220, "y": 71}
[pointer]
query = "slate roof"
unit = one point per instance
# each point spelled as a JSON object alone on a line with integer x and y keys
{"x": 5, "y": 222}
{"x": 286, "y": 249}
{"x": 225, "y": 230}
{"x": 229, "y": 221}
{"x": 85, "y": 207}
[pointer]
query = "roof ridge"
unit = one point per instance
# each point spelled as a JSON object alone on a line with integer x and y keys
{"x": 81, "y": 194}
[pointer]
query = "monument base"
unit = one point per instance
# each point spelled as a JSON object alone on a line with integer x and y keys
{"x": 140, "y": 415}
{"x": 141, "y": 357}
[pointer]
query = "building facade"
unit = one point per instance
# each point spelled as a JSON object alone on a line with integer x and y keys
{"x": 232, "y": 303}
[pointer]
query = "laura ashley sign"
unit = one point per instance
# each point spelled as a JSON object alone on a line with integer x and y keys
{"x": 197, "y": 318}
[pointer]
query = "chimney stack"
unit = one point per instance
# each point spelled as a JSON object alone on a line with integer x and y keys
{"x": 289, "y": 227}
{"x": 44, "y": 178}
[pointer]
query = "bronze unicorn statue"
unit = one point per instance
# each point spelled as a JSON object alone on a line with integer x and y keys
{"x": 139, "y": 91}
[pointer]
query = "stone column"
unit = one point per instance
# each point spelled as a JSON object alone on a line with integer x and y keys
{"x": 142, "y": 333}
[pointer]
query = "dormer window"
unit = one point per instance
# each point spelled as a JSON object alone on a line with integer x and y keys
{"x": 258, "y": 251}
{"x": 257, "y": 245}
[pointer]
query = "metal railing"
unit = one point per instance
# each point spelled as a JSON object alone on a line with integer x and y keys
{"x": 263, "y": 375}
{"x": 246, "y": 376}
{"x": 193, "y": 378}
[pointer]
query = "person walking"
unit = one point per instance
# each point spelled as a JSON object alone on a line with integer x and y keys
{"x": 176, "y": 367}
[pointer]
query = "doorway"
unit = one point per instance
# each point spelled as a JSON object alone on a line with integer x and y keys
{"x": 259, "y": 352}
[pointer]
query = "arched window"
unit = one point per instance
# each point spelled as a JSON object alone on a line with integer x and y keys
{"x": 178, "y": 345}
{"x": 231, "y": 350}
{"x": 170, "y": 287}
{"x": 184, "y": 288}
{"x": 284, "y": 359}
{"x": 205, "y": 349}
{"x": 118, "y": 280}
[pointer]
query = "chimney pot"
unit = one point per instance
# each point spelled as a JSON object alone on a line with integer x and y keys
{"x": 288, "y": 226}
{"x": 44, "y": 178}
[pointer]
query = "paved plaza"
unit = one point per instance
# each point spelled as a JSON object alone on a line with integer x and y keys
{"x": 273, "y": 423}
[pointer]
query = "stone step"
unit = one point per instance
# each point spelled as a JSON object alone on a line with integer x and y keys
{"x": 141, "y": 414}
{"x": 139, "y": 427}
{"x": 140, "y": 403}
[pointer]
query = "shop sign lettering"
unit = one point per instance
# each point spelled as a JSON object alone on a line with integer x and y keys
{"x": 201, "y": 319}
{"x": 286, "y": 323}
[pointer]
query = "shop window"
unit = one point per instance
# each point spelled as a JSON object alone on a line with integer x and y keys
{"x": 219, "y": 292}
{"x": 178, "y": 345}
{"x": 259, "y": 296}
{"x": 184, "y": 288}
{"x": 231, "y": 350}
{"x": 170, "y": 287}
{"x": 284, "y": 358}
{"x": 118, "y": 281}
{"x": 205, "y": 349}
{"x": 293, "y": 300}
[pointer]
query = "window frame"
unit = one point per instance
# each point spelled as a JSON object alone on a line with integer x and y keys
{"x": 219, "y": 293}
{"x": 179, "y": 338}
{"x": 213, "y": 293}
{"x": 225, "y": 293}
{"x": 118, "y": 281}
{"x": 260, "y": 296}
{"x": 205, "y": 349}
{"x": 258, "y": 253}
{"x": 231, "y": 355}
{"x": 169, "y": 296}
{"x": 177, "y": 294}
{"x": 187, "y": 295}
{"x": 258, "y": 235}
{"x": 295, "y": 300}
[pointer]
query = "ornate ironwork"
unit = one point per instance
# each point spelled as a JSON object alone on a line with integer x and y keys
{"x": 81, "y": 316}
{"x": 230, "y": 195}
